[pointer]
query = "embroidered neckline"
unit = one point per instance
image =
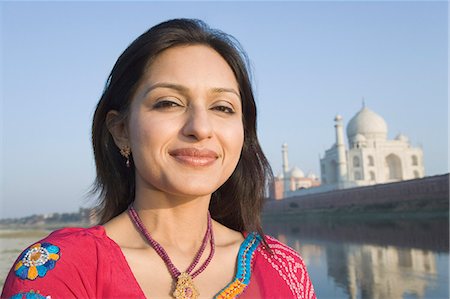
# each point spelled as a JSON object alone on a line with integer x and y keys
{"x": 244, "y": 268}
{"x": 243, "y": 271}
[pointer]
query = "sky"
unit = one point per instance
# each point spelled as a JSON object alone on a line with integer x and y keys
{"x": 309, "y": 62}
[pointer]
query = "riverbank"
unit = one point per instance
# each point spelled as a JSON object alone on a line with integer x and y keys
{"x": 425, "y": 197}
{"x": 426, "y": 231}
{"x": 15, "y": 228}
{"x": 354, "y": 214}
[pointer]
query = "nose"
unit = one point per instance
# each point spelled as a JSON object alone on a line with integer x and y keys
{"x": 198, "y": 124}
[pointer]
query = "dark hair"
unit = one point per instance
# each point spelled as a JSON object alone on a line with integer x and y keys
{"x": 238, "y": 202}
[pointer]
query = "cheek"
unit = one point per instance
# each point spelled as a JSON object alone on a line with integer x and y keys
{"x": 146, "y": 133}
{"x": 137, "y": 133}
{"x": 235, "y": 140}
{"x": 240, "y": 140}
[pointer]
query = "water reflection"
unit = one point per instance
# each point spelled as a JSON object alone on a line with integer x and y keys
{"x": 381, "y": 272}
{"x": 371, "y": 259}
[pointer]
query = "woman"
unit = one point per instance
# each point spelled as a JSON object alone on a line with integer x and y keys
{"x": 181, "y": 178}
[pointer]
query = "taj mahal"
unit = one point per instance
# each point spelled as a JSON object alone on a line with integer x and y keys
{"x": 370, "y": 158}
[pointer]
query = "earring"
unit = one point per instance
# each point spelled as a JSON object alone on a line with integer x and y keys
{"x": 125, "y": 152}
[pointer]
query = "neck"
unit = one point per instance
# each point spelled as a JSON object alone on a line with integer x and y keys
{"x": 172, "y": 220}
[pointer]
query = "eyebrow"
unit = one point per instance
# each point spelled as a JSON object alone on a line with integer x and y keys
{"x": 184, "y": 89}
{"x": 174, "y": 86}
{"x": 222, "y": 89}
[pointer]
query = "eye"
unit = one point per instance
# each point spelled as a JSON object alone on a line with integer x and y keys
{"x": 166, "y": 104}
{"x": 224, "y": 109}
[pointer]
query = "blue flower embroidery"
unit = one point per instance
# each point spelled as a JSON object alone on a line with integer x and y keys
{"x": 29, "y": 295}
{"x": 36, "y": 261}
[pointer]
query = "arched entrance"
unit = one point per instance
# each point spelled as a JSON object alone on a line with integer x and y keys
{"x": 393, "y": 168}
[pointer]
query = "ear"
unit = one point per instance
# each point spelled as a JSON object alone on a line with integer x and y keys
{"x": 116, "y": 125}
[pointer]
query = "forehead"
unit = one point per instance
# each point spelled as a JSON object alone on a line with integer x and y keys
{"x": 191, "y": 65}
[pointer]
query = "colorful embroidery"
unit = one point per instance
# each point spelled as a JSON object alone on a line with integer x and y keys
{"x": 29, "y": 295}
{"x": 244, "y": 270}
{"x": 285, "y": 261}
{"x": 36, "y": 261}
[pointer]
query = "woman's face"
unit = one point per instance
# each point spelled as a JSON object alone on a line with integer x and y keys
{"x": 185, "y": 124}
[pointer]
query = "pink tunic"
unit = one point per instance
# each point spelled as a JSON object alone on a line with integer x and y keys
{"x": 85, "y": 263}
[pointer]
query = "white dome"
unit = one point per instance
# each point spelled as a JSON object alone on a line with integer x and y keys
{"x": 312, "y": 176}
{"x": 297, "y": 173}
{"x": 401, "y": 137}
{"x": 367, "y": 123}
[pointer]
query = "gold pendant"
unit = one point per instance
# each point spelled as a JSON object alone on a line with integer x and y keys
{"x": 185, "y": 288}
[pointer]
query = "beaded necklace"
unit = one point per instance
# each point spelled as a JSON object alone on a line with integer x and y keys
{"x": 185, "y": 288}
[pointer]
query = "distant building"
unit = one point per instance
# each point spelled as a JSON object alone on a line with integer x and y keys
{"x": 371, "y": 158}
{"x": 291, "y": 179}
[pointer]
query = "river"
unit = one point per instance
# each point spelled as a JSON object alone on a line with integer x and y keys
{"x": 371, "y": 258}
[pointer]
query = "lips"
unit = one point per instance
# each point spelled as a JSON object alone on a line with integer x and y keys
{"x": 194, "y": 157}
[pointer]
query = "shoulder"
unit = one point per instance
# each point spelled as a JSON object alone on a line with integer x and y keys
{"x": 280, "y": 249}
{"x": 280, "y": 256}
{"x": 65, "y": 257}
{"x": 74, "y": 239}
{"x": 284, "y": 268}
{"x": 64, "y": 246}
{"x": 74, "y": 246}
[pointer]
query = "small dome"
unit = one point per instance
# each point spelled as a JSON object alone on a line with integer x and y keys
{"x": 401, "y": 137}
{"x": 297, "y": 173}
{"x": 367, "y": 123}
{"x": 279, "y": 176}
{"x": 312, "y": 176}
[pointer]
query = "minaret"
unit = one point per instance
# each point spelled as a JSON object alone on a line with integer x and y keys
{"x": 286, "y": 176}
{"x": 340, "y": 146}
{"x": 284, "y": 151}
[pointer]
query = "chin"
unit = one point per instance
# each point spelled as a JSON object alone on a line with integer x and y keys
{"x": 199, "y": 191}
{"x": 195, "y": 189}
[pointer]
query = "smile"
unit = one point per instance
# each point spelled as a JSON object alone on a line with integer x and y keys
{"x": 194, "y": 157}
